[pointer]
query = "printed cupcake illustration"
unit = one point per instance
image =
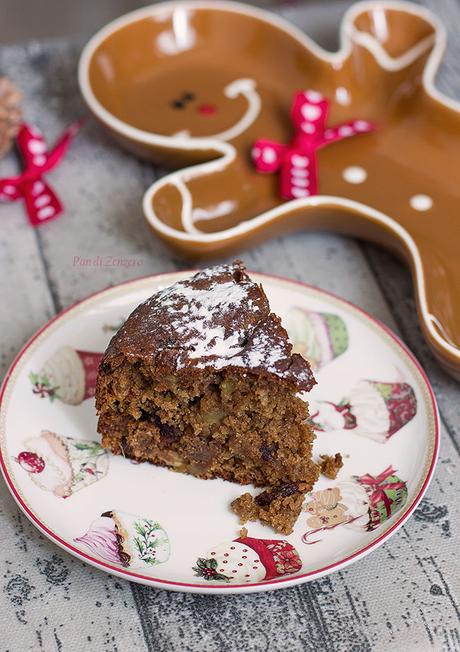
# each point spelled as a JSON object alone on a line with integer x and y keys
{"x": 68, "y": 375}
{"x": 63, "y": 465}
{"x": 319, "y": 336}
{"x": 364, "y": 502}
{"x": 248, "y": 560}
{"x": 376, "y": 410}
{"x": 131, "y": 541}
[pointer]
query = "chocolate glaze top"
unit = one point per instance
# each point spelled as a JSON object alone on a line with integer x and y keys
{"x": 217, "y": 319}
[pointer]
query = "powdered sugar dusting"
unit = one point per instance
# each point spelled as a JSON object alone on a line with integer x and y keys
{"x": 217, "y": 319}
{"x": 193, "y": 314}
{"x": 263, "y": 353}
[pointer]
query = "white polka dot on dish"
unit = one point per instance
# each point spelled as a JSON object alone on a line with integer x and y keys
{"x": 354, "y": 174}
{"x": 421, "y": 202}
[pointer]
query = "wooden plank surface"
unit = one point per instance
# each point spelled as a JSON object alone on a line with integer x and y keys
{"x": 402, "y": 597}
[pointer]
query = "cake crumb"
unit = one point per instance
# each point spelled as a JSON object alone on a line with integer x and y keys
{"x": 331, "y": 465}
{"x": 245, "y": 508}
{"x": 278, "y": 507}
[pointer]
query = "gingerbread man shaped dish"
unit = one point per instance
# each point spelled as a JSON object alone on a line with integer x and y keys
{"x": 199, "y": 85}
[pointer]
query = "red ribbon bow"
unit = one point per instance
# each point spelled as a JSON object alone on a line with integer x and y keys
{"x": 42, "y": 204}
{"x": 297, "y": 161}
{"x": 378, "y": 486}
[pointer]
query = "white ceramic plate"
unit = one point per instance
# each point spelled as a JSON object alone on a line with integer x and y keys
{"x": 373, "y": 403}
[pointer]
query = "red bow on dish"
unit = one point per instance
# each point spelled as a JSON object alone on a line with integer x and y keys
{"x": 297, "y": 161}
{"x": 42, "y": 204}
{"x": 378, "y": 486}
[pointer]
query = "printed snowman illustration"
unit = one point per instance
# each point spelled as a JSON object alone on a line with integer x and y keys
{"x": 373, "y": 409}
{"x": 68, "y": 375}
{"x": 128, "y": 540}
{"x": 63, "y": 465}
{"x": 320, "y": 337}
{"x": 363, "y": 502}
{"x": 248, "y": 560}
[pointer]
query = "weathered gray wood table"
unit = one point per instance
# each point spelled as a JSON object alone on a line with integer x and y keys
{"x": 404, "y": 596}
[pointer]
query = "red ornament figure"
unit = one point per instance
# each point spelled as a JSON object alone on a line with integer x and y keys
{"x": 42, "y": 204}
{"x": 297, "y": 161}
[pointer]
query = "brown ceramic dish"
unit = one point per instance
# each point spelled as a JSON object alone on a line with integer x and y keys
{"x": 199, "y": 82}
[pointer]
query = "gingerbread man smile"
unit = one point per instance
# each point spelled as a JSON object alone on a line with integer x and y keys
{"x": 240, "y": 87}
{"x": 397, "y": 185}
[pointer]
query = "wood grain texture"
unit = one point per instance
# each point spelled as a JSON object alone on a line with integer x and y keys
{"x": 405, "y": 596}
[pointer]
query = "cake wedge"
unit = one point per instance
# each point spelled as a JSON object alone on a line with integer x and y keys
{"x": 201, "y": 378}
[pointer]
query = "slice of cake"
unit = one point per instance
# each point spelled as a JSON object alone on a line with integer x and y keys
{"x": 202, "y": 379}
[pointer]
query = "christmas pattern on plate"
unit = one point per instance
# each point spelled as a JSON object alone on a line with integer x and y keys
{"x": 63, "y": 465}
{"x": 126, "y": 539}
{"x": 373, "y": 409}
{"x": 363, "y": 502}
{"x": 247, "y": 560}
{"x": 165, "y": 529}
{"x": 320, "y": 337}
{"x": 68, "y": 375}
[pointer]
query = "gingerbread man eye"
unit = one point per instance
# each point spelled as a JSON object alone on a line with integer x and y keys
{"x": 185, "y": 97}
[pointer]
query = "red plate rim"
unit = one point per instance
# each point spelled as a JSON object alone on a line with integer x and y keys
{"x": 229, "y": 588}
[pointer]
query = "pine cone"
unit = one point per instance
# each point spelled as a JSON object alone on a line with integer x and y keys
{"x": 10, "y": 114}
